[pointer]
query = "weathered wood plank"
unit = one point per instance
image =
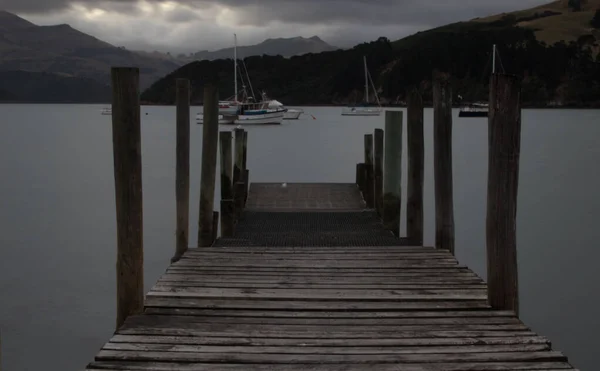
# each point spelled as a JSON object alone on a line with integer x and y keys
{"x": 549, "y": 356}
{"x": 166, "y": 285}
{"x": 379, "y": 342}
{"x": 317, "y": 294}
{"x": 154, "y": 301}
{"x": 312, "y": 350}
{"x": 472, "y": 314}
{"x": 450, "y": 366}
{"x": 385, "y": 321}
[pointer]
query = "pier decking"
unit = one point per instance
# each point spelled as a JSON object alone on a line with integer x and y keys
{"x": 312, "y": 281}
{"x": 315, "y": 276}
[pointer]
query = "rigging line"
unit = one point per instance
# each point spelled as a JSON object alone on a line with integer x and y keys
{"x": 248, "y": 76}
{"x": 374, "y": 90}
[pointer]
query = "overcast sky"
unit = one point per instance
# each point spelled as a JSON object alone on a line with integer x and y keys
{"x": 192, "y": 25}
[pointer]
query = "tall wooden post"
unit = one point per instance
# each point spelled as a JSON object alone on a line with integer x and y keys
{"x": 392, "y": 177}
{"x": 504, "y": 125}
{"x": 227, "y": 206}
{"x": 215, "y": 226}
{"x": 246, "y": 172}
{"x": 369, "y": 179}
{"x": 442, "y": 162}
{"x": 378, "y": 139}
{"x": 127, "y": 154}
{"x": 238, "y": 172}
{"x": 416, "y": 169}
{"x": 182, "y": 168}
{"x": 209, "y": 164}
{"x": 360, "y": 176}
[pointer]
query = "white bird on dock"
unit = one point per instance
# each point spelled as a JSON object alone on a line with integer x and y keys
{"x": 283, "y": 185}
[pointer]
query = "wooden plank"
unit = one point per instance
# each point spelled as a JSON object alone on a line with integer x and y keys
{"x": 114, "y": 355}
{"x": 167, "y": 285}
{"x": 451, "y": 366}
{"x": 312, "y": 350}
{"x": 412, "y": 280}
{"x": 331, "y": 256}
{"x": 320, "y": 294}
{"x": 157, "y": 301}
{"x": 473, "y": 314}
{"x": 325, "y": 270}
{"x": 378, "y": 342}
{"x": 233, "y": 333}
{"x": 174, "y": 319}
{"x": 187, "y": 322}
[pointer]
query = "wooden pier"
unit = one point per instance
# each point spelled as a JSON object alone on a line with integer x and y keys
{"x": 311, "y": 278}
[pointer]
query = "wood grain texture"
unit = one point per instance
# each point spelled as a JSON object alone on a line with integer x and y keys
{"x": 378, "y": 142}
{"x": 442, "y": 162}
{"x": 503, "y": 182}
{"x": 182, "y": 168}
{"x": 416, "y": 168}
{"x": 127, "y": 154}
{"x": 370, "y": 175}
{"x": 392, "y": 177}
{"x": 321, "y": 308}
{"x": 210, "y": 139}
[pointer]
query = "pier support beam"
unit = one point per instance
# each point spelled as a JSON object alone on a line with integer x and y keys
{"x": 392, "y": 176}
{"x": 416, "y": 168}
{"x": 378, "y": 139}
{"x": 369, "y": 178}
{"x": 360, "y": 176}
{"x": 442, "y": 162}
{"x": 182, "y": 168}
{"x": 127, "y": 154}
{"x": 504, "y": 125}
{"x": 227, "y": 206}
{"x": 209, "y": 164}
{"x": 238, "y": 173}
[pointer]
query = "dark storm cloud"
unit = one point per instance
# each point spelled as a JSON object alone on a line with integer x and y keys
{"x": 256, "y": 12}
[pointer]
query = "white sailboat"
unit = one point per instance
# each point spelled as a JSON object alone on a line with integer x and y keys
{"x": 364, "y": 110}
{"x": 247, "y": 111}
{"x": 479, "y": 109}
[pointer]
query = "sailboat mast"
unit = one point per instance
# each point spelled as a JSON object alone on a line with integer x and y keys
{"x": 366, "y": 80}
{"x": 235, "y": 83}
{"x": 494, "y": 60}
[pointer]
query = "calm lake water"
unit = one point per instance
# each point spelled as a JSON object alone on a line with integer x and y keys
{"x": 57, "y": 215}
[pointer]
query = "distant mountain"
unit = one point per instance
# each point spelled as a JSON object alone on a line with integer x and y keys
{"x": 285, "y": 47}
{"x": 67, "y": 52}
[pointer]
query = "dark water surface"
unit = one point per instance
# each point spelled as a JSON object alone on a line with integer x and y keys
{"x": 57, "y": 216}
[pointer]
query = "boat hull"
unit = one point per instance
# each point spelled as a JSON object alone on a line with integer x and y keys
{"x": 274, "y": 118}
{"x": 223, "y": 120}
{"x": 473, "y": 114}
{"x": 292, "y": 115}
{"x": 361, "y": 111}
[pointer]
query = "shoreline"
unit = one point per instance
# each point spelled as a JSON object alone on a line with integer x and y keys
{"x": 149, "y": 104}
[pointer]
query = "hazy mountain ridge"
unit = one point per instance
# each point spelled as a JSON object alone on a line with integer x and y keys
{"x": 286, "y": 47}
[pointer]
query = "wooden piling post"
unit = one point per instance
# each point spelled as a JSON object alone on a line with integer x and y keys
{"x": 215, "y": 227}
{"x": 378, "y": 170}
{"x": 246, "y": 185}
{"x": 238, "y": 172}
{"x": 245, "y": 173}
{"x": 209, "y": 164}
{"x": 504, "y": 125}
{"x": 369, "y": 180}
{"x": 127, "y": 155}
{"x": 442, "y": 162}
{"x": 360, "y": 176}
{"x": 392, "y": 194}
{"x": 182, "y": 168}
{"x": 416, "y": 168}
{"x": 227, "y": 206}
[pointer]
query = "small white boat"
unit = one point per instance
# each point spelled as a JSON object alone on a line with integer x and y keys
{"x": 293, "y": 114}
{"x": 361, "y": 111}
{"x": 364, "y": 110}
{"x": 290, "y": 114}
{"x": 106, "y": 111}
